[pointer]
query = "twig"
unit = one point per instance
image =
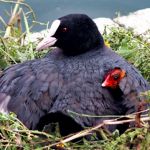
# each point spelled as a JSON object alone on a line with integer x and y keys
{"x": 28, "y": 32}
{"x": 87, "y": 131}
{"x": 132, "y": 115}
{"x": 15, "y": 15}
{"x": 11, "y": 20}
{"x": 111, "y": 122}
{"x": 21, "y": 3}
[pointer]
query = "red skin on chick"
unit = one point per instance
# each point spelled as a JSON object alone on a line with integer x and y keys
{"x": 113, "y": 78}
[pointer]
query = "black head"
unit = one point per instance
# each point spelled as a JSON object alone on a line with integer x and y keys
{"x": 74, "y": 34}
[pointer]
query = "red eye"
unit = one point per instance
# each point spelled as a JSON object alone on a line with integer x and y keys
{"x": 64, "y": 29}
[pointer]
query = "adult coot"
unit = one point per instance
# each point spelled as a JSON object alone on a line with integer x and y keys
{"x": 69, "y": 79}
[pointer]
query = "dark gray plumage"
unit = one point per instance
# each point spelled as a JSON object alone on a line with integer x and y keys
{"x": 71, "y": 78}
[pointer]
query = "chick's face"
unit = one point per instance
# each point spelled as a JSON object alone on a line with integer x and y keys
{"x": 113, "y": 78}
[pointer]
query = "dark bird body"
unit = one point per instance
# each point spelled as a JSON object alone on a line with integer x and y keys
{"x": 71, "y": 81}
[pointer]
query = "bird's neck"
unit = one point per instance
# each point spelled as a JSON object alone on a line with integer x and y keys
{"x": 81, "y": 48}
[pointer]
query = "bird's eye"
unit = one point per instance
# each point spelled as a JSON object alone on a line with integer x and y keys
{"x": 64, "y": 29}
{"x": 116, "y": 76}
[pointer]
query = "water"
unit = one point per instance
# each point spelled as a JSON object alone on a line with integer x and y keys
{"x": 48, "y": 10}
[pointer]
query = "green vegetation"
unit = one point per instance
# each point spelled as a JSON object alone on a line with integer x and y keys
{"x": 132, "y": 48}
{"x": 14, "y": 135}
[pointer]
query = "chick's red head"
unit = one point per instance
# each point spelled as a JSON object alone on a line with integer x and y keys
{"x": 113, "y": 78}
